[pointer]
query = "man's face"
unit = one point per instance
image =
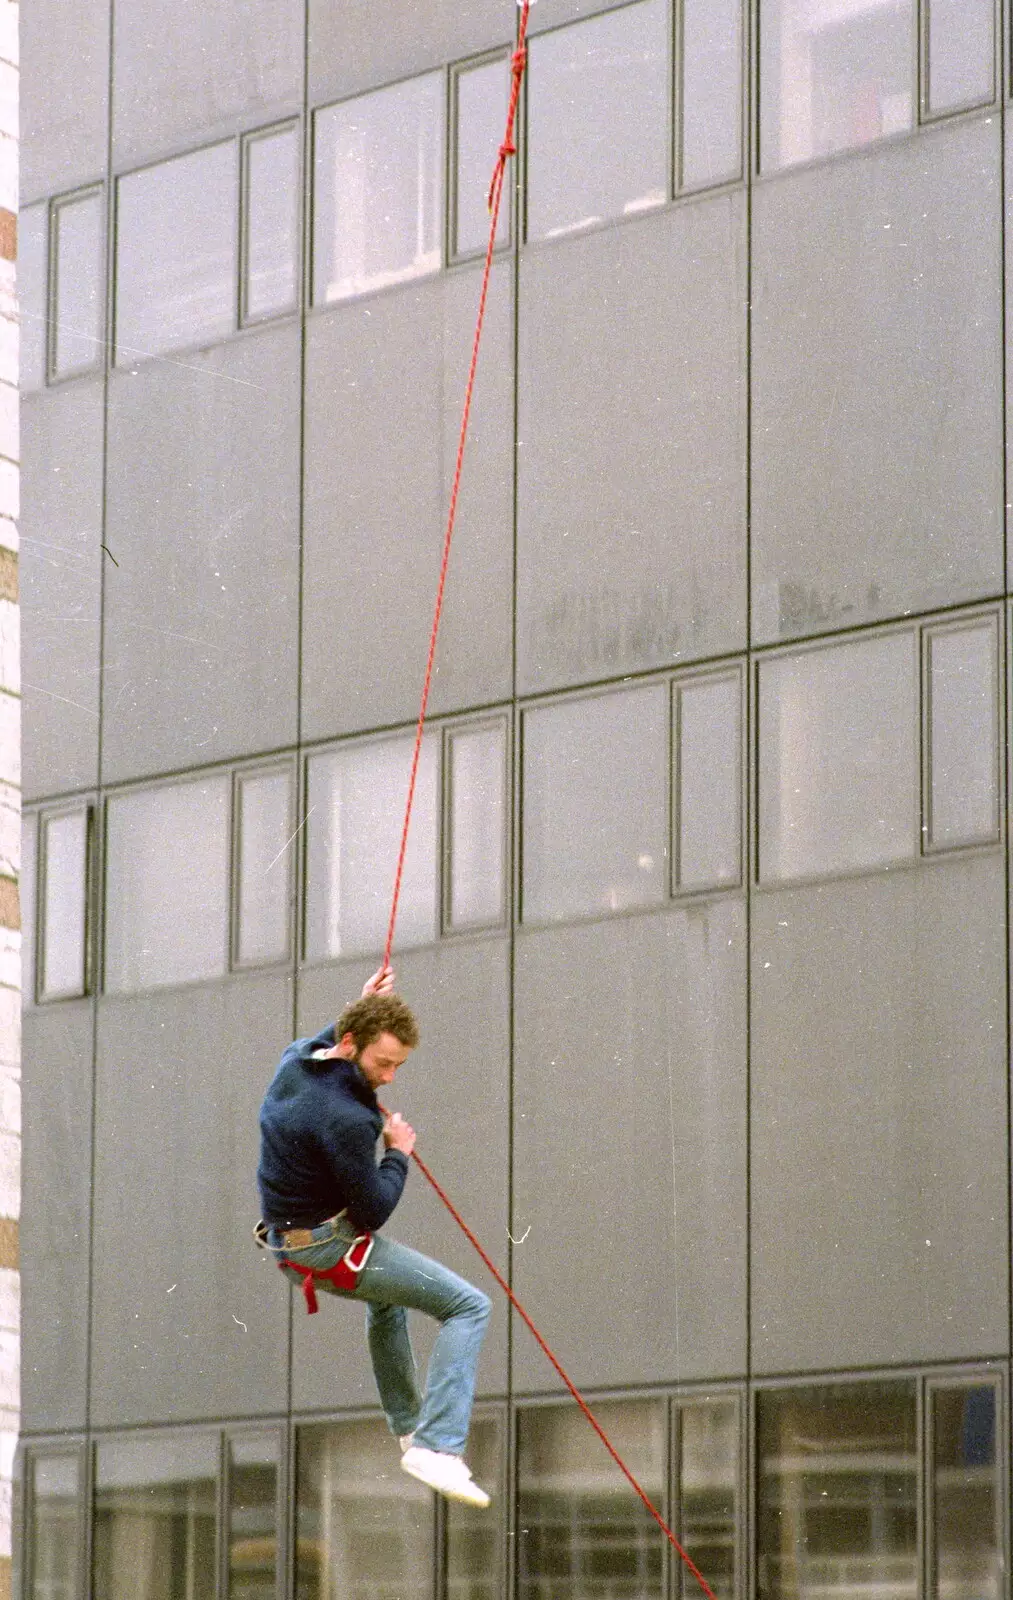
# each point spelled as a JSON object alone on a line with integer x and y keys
{"x": 379, "y": 1061}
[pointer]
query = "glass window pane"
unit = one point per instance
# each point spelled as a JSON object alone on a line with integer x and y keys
{"x": 265, "y": 866}
{"x": 33, "y": 253}
{"x": 711, "y": 91}
{"x": 477, "y": 819}
{"x": 834, "y": 74}
{"x": 838, "y": 1491}
{"x": 27, "y": 897}
{"x": 55, "y": 1528}
{"x": 588, "y": 158}
{"x": 483, "y": 99}
{"x": 176, "y": 247}
{"x": 254, "y": 1462}
{"x": 963, "y": 735}
{"x": 378, "y": 189}
{"x": 961, "y": 53}
{"x": 65, "y": 857}
{"x": 709, "y": 1493}
{"x": 710, "y": 811}
{"x": 167, "y": 884}
{"x": 474, "y": 1538}
{"x": 363, "y": 1527}
{"x": 595, "y": 803}
{"x": 966, "y": 1497}
{"x": 272, "y": 223}
{"x": 80, "y": 284}
{"x": 582, "y": 1532}
{"x": 838, "y": 758}
{"x": 356, "y": 812}
{"x": 155, "y": 1518}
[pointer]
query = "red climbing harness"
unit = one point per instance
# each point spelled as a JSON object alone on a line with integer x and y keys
{"x": 344, "y": 1274}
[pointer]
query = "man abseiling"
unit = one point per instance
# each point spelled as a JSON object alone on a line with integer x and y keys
{"x": 323, "y": 1193}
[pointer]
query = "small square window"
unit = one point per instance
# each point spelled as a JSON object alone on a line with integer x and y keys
{"x": 481, "y": 99}
{"x": 65, "y": 879}
{"x": 78, "y": 269}
{"x": 271, "y": 223}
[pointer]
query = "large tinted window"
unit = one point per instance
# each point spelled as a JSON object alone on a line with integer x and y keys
{"x": 833, "y": 74}
{"x": 356, "y": 809}
{"x": 378, "y": 188}
{"x": 363, "y": 1528}
{"x": 596, "y": 804}
{"x": 582, "y": 1532}
{"x": 176, "y": 247}
{"x": 837, "y": 1491}
{"x": 589, "y": 158}
{"x": 838, "y": 758}
{"x": 155, "y": 1518}
{"x": 167, "y": 882}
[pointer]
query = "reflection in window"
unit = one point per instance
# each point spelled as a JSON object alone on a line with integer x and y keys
{"x": 264, "y": 865}
{"x": 271, "y": 236}
{"x": 595, "y": 804}
{"x": 27, "y": 901}
{"x": 167, "y": 881}
{"x": 709, "y": 714}
{"x": 963, "y": 734}
{"x": 477, "y": 805}
{"x": 961, "y": 53}
{"x": 481, "y": 102}
{"x": 155, "y": 1518}
{"x": 79, "y": 267}
{"x": 582, "y": 1533}
{"x": 176, "y": 244}
{"x": 355, "y": 815}
{"x": 834, "y": 74}
{"x": 363, "y": 1527}
{"x": 966, "y": 1494}
{"x": 711, "y": 91}
{"x": 838, "y": 758}
{"x": 55, "y": 1527}
{"x": 254, "y": 1462}
{"x": 33, "y": 253}
{"x": 588, "y": 158}
{"x": 708, "y": 1493}
{"x": 474, "y": 1541}
{"x": 65, "y": 876}
{"x": 378, "y": 189}
{"x": 837, "y": 1511}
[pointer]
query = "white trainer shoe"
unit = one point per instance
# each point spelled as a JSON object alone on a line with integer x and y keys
{"x": 447, "y": 1474}
{"x": 405, "y": 1440}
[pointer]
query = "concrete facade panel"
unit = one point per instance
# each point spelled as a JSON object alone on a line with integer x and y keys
{"x": 64, "y": 99}
{"x": 348, "y": 52}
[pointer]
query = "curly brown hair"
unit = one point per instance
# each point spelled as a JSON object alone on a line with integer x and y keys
{"x": 374, "y": 1014}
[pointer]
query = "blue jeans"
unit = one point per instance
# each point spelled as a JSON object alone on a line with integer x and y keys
{"x": 393, "y": 1279}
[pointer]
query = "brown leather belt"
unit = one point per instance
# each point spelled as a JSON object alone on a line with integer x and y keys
{"x": 302, "y": 1238}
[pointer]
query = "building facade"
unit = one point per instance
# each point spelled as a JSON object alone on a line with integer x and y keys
{"x": 706, "y": 908}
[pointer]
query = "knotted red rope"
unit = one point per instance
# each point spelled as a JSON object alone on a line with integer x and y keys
{"x": 506, "y": 150}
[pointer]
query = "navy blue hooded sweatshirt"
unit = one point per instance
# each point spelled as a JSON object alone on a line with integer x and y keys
{"x": 319, "y": 1124}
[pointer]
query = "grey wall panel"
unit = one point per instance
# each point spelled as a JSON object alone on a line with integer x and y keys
{"x": 203, "y": 521}
{"x": 64, "y": 99}
{"x": 631, "y": 492}
{"x": 221, "y": 63}
{"x": 385, "y": 385}
{"x": 188, "y": 1318}
{"x": 629, "y": 1147}
{"x": 553, "y": 13}
{"x": 876, "y": 384}
{"x": 56, "y": 1087}
{"x": 61, "y": 579}
{"x": 455, "y": 1093}
{"x": 348, "y": 52}
{"x": 879, "y": 1128}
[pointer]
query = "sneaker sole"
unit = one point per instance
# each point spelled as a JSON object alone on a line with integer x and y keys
{"x": 472, "y": 1496}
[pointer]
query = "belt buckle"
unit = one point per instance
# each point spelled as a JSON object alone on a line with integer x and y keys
{"x": 297, "y": 1238}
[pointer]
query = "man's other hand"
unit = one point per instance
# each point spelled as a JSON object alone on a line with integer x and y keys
{"x": 382, "y": 982}
{"x": 397, "y": 1135}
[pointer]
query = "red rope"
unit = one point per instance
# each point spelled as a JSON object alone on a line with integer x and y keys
{"x": 506, "y": 150}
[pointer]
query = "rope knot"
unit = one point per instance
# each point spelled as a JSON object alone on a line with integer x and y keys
{"x": 506, "y": 150}
{"x": 518, "y": 61}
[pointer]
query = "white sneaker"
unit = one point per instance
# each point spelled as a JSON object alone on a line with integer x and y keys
{"x": 445, "y": 1473}
{"x": 405, "y": 1441}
